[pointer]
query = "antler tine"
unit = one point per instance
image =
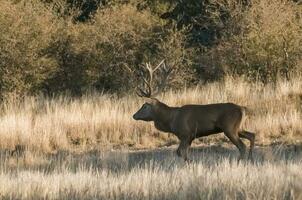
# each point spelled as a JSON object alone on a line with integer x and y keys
{"x": 139, "y": 91}
{"x": 142, "y": 93}
{"x": 147, "y": 92}
{"x": 149, "y": 84}
{"x": 149, "y": 67}
{"x": 164, "y": 77}
{"x": 162, "y": 62}
{"x": 169, "y": 70}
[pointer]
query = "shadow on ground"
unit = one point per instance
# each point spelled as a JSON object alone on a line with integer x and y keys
{"x": 123, "y": 160}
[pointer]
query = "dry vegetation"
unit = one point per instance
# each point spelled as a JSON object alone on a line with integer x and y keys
{"x": 215, "y": 174}
{"x": 100, "y": 120}
{"x": 59, "y": 141}
{"x": 45, "y": 51}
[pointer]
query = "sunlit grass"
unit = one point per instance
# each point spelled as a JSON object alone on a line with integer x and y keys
{"x": 101, "y": 120}
{"x": 214, "y": 174}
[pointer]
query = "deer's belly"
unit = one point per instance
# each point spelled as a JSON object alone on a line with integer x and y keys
{"x": 204, "y": 132}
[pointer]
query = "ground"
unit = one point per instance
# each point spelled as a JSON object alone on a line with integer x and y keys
{"x": 91, "y": 148}
{"x": 153, "y": 174}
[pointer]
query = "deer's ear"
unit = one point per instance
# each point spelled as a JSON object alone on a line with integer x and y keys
{"x": 152, "y": 101}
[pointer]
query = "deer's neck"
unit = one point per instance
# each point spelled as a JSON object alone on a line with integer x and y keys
{"x": 164, "y": 117}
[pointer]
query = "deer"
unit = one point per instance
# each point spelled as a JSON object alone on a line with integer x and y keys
{"x": 191, "y": 121}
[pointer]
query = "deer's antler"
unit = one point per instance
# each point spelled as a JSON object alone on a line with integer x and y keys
{"x": 148, "y": 83}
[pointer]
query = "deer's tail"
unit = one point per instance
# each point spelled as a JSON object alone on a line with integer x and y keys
{"x": 244, "y": 111}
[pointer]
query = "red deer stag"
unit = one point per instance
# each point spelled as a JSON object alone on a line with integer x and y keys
{"x": 192, "y": 121}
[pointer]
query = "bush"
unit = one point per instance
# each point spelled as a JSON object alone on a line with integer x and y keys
{"x": 26, "y": 29}
{"x": 115, "y": 42}
{"x": 121, "y": 38}
{"x": 269, "y": 43}
{"x": 45, "y": 50}
{"x": 42, "y": 51}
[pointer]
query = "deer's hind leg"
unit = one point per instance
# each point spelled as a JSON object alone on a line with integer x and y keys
{"x": 251, "y": 137}
{"x": 230, "y": 127}
{"x": 234, "y": 138}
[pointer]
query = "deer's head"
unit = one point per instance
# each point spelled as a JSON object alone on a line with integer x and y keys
{"x": 149, "y": 88}
{"x": 147, "y": 111}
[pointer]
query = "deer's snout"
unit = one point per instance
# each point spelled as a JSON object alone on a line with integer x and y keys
{"x": 135, "y": 117}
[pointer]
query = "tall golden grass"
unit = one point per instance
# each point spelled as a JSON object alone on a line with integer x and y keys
{"x": 102, "y": 120}
{"x": 214, "y": 174}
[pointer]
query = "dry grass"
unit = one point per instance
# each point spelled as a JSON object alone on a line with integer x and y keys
{"x": 214, "y": 174}
{"x": 99, "y": 120}
{"x": 59, "y": 150}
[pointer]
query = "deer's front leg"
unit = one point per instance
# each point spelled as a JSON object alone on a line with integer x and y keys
{"x": 183, "y": 149}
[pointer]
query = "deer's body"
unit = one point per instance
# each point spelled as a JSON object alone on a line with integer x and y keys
{"x": 193, "y": 121}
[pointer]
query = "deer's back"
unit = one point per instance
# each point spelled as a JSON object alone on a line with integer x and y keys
{"x": 207, "y": 119}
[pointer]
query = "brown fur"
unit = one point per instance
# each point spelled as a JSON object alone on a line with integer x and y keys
{"x": 193, "y": 121}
